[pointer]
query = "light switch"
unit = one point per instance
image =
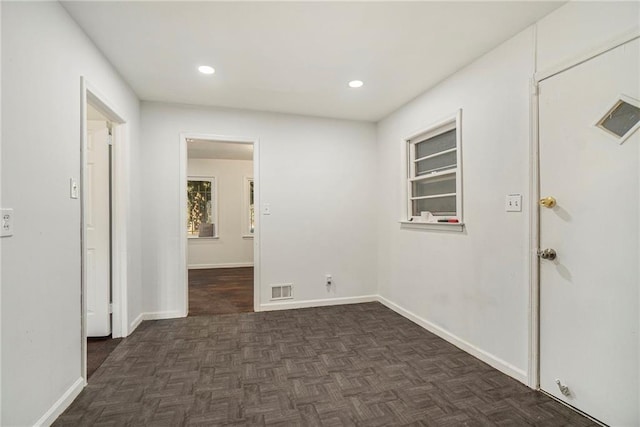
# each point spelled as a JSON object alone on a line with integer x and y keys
{"x": 7, "y": 222}
{"x": 73, "y": 188}
{"x": 513, "y": 203}
{"x": 266, "y": 209}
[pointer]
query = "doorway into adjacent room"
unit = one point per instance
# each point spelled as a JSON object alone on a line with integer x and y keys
{"x": 220, "y": 226}
{"x": 102, "y": 190}
{"x": 98, "y": 262}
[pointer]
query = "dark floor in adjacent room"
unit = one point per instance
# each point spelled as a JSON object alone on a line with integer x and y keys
{"x": 359, "y": 364}
{"x": 220, "y": 291}
{"x": 98, "y": 349}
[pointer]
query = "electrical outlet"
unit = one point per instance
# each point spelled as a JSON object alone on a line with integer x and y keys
{"x": 513, "y": 203}
{"x": 7, "y": 223}
{"x": 329, "y": 280}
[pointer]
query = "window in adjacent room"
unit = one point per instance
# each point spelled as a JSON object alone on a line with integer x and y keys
{"x": 248, "y": 208}
{"x": 202, "y": 207}
{"x": 434, "y": 191}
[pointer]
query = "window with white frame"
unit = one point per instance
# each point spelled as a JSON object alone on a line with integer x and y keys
{"x": 202, "y": 207}
{"x": 434, "y": 174}
{"x": 248, "y": 208}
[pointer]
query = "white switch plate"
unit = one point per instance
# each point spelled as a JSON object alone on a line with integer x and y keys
{"x": 7, "y": 223}
{"x": 73, "y": 188}
{"x": 266, "y": 209}
{"x": 513, "y": 203}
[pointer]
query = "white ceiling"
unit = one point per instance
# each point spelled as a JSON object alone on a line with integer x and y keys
{"x": 205, "y": 149}
{"x": 297, "y": 57}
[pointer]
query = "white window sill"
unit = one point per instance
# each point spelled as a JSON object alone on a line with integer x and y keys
{"x": 194, "y": 238}
{"x": 440, "y": 226}
{"x": 247, "y": 236}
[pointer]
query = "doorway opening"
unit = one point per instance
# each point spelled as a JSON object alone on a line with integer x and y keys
{"x": 103, "y": 235}
{"x": 98, "y": 238}
{"x": 220, "y": 226}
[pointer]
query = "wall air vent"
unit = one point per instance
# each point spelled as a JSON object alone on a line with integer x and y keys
{"x": 622, "y": 119}
{"x": 279, "y": 292}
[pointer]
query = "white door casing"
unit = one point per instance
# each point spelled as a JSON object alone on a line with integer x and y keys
{"x": 97, "y": 230}
{"x": 589, "y": 298}
{"x": 183, "y": 212}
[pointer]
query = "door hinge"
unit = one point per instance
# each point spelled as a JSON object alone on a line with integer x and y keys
{"x": 110, "y": 308}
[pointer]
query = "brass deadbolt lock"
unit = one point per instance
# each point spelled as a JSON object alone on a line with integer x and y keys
{"x": 548, "y": 202}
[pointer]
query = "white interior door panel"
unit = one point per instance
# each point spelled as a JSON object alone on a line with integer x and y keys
{"x": 589, "y": 317}
{"x": 98, "y": 228}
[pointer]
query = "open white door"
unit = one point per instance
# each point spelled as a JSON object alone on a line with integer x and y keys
{"x": 589, "y": 317}
{"x": 98, "y": 256}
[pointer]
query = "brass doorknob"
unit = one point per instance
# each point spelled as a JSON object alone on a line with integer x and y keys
{"x": 548, "y": 202}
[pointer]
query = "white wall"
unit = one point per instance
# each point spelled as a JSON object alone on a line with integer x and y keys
{"x": 579, "y": 27}
{"x": 473, "y": 284}
{"x": 44, "y": 54}
{"x": 317, "y": 175}
{"x": 0, "y": 206}
{"x": 232, "y": 247}
{"x": 473, "y": 287}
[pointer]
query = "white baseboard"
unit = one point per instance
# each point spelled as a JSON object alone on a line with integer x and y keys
{"x": 289, "y": 305}
{"x": 159, "y": 315}
{"x": 228, "y": 265}
{"x": 61, "y": 404}
{"x": 136, "y": 322}
{"x": 154, "y": 315}
{"x": 487, "y": 358}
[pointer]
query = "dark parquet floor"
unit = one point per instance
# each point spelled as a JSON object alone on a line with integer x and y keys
{"x": 350, "y": 365}
{"x": 220, "y": 291}
{"x": 98, "y": 349}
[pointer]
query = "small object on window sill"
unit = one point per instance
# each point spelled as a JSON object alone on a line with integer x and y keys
{"x": 443, "y": 220}
{"x": 206, "y": 230}
{"x": 426, "y": 216}
{"x": 453, "y": 221}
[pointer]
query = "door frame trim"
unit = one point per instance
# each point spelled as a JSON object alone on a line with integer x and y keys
{"x": 534, "y": 186}
{"x": 533, "y": 375}
{"x": 89, "y": 94}
{"x": 184, "y": 264}
{"x": 587, "y": 55}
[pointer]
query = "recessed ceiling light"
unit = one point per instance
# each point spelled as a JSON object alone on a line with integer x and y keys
{"x": 355, "y": 83}
{"x": 205, "y": 69}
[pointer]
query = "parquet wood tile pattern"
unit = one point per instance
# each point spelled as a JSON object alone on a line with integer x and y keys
{"x": 98, "y": 349}
{"x": 350, "y": 365}
{"x": 220, "y": 291}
